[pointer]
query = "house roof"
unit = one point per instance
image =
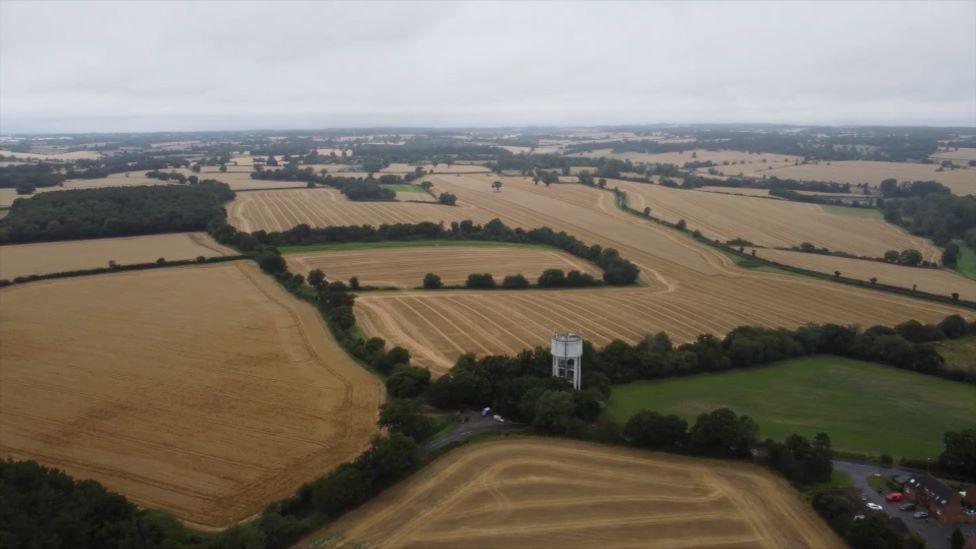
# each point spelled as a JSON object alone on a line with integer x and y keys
{"x": 931, "y": 484}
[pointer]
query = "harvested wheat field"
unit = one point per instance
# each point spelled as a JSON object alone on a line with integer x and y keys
{"x": 766, "y": 222}
{"x": 960, "y": 156}
{"x": 961, "y": 181}
{"x": 743, "y": 160}
{"x": 406, "y": 267}
{"x": 528, "y": 492}
{"x": 322, "y": 207}
{"x": 207, "y": 391}
{"x": 53, "y": 257}
{"x": 54, "y": 157}
{"x": 936, "y": 281}
{"x": 689, "y": 289}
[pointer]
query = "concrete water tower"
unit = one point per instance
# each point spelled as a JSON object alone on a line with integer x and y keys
{"x": 567, "y": 357}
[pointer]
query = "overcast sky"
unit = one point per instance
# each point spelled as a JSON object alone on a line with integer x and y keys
{"x": 139, "y": 66}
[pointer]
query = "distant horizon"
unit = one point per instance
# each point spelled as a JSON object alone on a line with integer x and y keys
{"x": 475, "y": 127}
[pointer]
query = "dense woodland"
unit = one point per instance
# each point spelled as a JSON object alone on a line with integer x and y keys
{"x": 114, "y": 211}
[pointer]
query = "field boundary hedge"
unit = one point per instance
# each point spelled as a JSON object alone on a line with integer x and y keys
{"x": 122, "y": 268}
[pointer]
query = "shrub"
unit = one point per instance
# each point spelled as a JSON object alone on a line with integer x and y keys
{"x": 432, "y": 281}
{"x": 552, "y": 278}
{"x": 515, "y": 282}
{"x": 480, "y": 280}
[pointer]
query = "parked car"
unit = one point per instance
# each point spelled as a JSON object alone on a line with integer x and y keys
{"x": 894, "y": 497}
{"x": 874, "y": 506}
{"x": 499, "y": 418}
{"x": 921, "y": 514}
{"x": 907, "y": 507}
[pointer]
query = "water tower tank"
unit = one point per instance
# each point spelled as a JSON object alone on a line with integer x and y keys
{"x": 567, "y": 357}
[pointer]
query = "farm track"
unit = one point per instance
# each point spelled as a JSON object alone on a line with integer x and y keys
{"x": 531, "y": 492}
{"x": 219, "y": 395}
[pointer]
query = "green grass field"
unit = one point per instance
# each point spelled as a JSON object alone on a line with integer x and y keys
{"x": 966, "y": 264}
{"x": 334, "y": 246}
{"x": 869, "y": 213}
{"x": 959, "y": 353}
{"x": 403, "y": 187}
{"x": 864, "y": 407}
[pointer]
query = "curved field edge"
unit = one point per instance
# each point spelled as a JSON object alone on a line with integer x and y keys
{"x": 527, "y": 492}
{"x": 866, "y": 408}
{"x": 148, "y": 423}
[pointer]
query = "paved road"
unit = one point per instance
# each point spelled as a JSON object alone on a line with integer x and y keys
{"x": 475, "y": 424}
{"x": 935, "y": 534}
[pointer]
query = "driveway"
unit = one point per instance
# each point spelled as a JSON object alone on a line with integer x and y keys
{"x": 463, "y": 429}
{"x": 935, "y": 534}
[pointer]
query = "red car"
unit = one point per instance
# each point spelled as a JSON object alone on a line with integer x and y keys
{"x": 894, "y": 497}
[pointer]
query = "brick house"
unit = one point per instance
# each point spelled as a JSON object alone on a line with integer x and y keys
{"x": 942, "y": 501}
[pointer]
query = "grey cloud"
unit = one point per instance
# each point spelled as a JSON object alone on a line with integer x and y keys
{"x": 159, "y": 66}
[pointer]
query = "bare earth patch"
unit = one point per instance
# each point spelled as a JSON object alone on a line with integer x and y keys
{"x": 556, "y": 493}
{"x": 207, "y": 391}
{"x": 53, "y": 257}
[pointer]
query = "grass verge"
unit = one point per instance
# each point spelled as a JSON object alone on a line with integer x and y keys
{"x": 966, "y": 263}
{"x": 850, "y": 211}
{"x": 403, "y": 188}
{"x": 865, "y": 407}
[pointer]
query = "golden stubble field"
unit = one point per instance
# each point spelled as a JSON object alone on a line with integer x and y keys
{"x": 961, "y": 181}
{"x": 688, "y": 289}
{"x": 936, "y": 281}
{"x": 767, "y": 222}
{"x": 743, "y": 160}
{"x": 322, "y": 207}
{"x": 406, "y": 267}
{"x": 52, "y": 257}
{"x": 207, "y": 391}
{"x": 528, "y": 492}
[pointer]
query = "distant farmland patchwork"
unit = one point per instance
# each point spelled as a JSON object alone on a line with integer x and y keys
{"x": 559, "y": 493}
{"x": 207, "y": 391}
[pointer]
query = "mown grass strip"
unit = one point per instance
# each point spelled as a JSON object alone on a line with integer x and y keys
{"x": 865, "y": 407}
{"x": 966, "y": 263}
{"x": 850, "y": 211}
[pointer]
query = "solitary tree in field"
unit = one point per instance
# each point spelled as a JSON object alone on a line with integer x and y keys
{"x": 426, "y": 185}
{"x": 497, "y": 185}
{"x": 874, "y": 280}
{"x": 647, "y": 212}
{"x": 836, "y": 274}
{"x": 432, "y": 281}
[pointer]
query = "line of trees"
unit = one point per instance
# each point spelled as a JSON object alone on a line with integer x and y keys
{"x": 550, "y": 278}
{"x": 114, "y": 211}
{"x": 617, "y": 271}
{"x": 352, "y": 188}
